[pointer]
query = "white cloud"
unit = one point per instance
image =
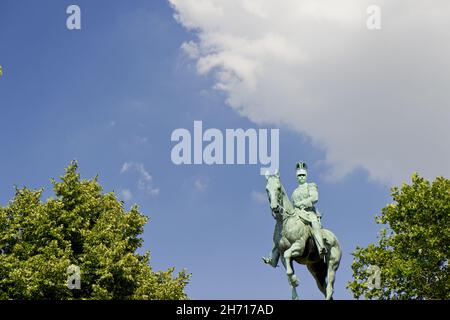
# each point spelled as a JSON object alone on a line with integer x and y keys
{"x": 258, "y": 197}
{"x": 126, "y": 194}
{"x": 144, "y": 182}
{"x": 139, "y": 167}
{"x": 377, "y": 100}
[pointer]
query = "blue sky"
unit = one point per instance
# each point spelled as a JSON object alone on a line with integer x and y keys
{"x": 112, "y": 93}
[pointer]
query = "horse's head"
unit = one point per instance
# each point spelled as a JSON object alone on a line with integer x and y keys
{"x": 274, "y": 191}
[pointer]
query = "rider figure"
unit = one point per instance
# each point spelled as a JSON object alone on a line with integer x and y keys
{"x": 303, "y": 198}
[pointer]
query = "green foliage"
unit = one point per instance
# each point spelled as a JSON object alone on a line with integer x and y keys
{"x": 84, "y": 227}
{"x": 413, "y": 251}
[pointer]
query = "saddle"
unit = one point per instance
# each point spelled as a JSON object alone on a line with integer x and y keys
{"x": 308, "y": 216}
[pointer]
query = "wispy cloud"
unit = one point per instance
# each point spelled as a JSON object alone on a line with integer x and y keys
{"x": 144, "y": 182}
{"x": 200, "y": 184}
{"x": 140, "y": 140}
{"x": 126, "y": 195}
{"x": 258, "y": 197}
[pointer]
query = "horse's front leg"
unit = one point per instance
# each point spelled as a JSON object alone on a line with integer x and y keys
{"x": 294, "y": 251}
{"x": 274, "y": 257}
{"x": 293, "y": 281}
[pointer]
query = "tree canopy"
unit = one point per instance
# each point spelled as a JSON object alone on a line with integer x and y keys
{"x": 413, "y": 248}
{"x": 81, "y": 226}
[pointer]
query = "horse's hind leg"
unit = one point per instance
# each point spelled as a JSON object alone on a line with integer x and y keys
{"x": 334, "y": 259}
{"x": 319, "y": 272}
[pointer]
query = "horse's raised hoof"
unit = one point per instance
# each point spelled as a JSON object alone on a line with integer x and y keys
{"x": 267, "y": 260}
{"x": 295, "y": 282}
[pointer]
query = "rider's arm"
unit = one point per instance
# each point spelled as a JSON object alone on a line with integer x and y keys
{"x": 313, "y": 195}
{"x": 294, "y": 200}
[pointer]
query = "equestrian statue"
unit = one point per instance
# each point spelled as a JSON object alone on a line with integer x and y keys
{"x": 298, "y": 234}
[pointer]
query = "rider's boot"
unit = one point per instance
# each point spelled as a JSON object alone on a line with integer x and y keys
{"x": 319, "y": 240}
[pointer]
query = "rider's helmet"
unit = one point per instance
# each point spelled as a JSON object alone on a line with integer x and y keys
{"x": 301, "y": 168}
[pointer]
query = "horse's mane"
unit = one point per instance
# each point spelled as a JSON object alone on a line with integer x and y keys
{"x": 286, "y": 202}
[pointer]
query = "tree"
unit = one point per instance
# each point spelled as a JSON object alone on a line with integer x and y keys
{"x": 413, "y": 250}
{"x": 84, "y": 227}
